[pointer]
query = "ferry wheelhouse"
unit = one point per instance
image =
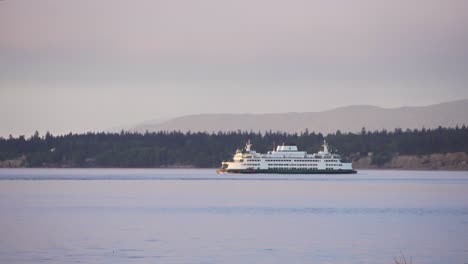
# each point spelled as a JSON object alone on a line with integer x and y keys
{"x": 286, "y": 159}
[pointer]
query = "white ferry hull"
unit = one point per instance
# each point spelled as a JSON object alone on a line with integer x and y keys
{"x": 284, "y": 171}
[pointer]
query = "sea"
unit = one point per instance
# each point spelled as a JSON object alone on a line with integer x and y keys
{"x": 198, "y": 216}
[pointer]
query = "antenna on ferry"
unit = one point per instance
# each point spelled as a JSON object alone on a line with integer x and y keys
{"x": 248, "y": 145}
{"x": 325, "y": 146}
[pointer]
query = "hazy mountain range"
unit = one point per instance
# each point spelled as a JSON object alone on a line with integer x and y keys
{"x": 350, "y": 118}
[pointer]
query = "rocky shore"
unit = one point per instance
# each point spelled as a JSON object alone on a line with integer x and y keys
{"x": 448, "y": 161}
{"x": 13, "y": 163}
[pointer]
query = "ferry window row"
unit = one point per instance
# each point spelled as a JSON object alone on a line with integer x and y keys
{"x": 295, "y": 168}
{"x": 292, "y": 165}
{"x": 332, "y": 165}
{"x": 296, "y": 160}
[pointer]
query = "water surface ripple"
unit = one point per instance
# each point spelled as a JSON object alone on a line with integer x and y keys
{"x": 197, "y": 216}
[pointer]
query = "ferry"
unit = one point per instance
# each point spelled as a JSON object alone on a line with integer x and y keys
{"x": 286, "y": 159}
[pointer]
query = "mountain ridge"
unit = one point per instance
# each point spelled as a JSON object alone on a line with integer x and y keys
{"x": 346, "y": 119}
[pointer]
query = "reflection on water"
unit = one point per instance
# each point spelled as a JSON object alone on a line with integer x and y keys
{"x": 196, "y": 216}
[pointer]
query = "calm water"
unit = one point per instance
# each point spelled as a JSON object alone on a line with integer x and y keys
{"x": 196, "y": 216}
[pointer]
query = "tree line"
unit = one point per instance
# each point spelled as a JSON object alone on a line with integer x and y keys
{"x": 174, "y": 149}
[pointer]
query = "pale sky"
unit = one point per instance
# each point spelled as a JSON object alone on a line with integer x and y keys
{"x": 87, "y": 65}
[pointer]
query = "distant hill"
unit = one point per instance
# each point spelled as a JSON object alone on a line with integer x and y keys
{"x": 346, "y": 119}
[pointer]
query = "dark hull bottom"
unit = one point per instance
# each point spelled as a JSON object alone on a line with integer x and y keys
{"x": 289, "y": 171}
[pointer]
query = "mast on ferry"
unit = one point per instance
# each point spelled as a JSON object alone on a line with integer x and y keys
{"x": 325, "y": 146}
{"x": 248, "y": 146}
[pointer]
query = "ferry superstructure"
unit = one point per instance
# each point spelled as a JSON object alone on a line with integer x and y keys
{"x": 286, "y": 159}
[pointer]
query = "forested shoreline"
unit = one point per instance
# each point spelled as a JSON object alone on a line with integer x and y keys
{"x": 207, "y": 150}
